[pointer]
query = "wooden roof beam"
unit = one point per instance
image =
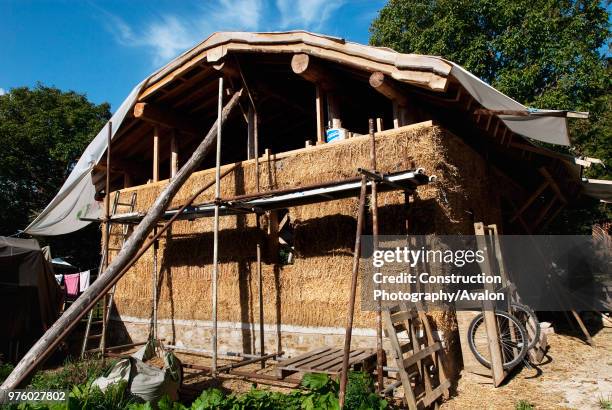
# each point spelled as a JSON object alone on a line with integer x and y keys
{"x": 166, "y": 117}
{"x": 387, "y": 87}
{"x": 311, "y": 70}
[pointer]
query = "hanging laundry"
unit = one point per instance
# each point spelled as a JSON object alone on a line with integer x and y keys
{"x": 84, "y": 280}
{"x": 72, "y": 284}
{"x": 59, "y": 278}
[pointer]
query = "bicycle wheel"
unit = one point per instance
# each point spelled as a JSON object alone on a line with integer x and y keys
{"x": 529, "y": 321}
{"x": 512, "y": 340}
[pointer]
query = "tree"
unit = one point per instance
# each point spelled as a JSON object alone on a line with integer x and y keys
{"x": 546, "y": 54}
{"x": 43, "y": 131}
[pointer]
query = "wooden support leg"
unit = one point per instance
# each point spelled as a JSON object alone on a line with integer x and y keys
{"x": 585, "y": 331}
{"x": 353, "y": 291}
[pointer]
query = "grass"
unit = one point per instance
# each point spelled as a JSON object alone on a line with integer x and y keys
{"x": 72, "y": 373}
{"x": 524, "y": 405}
{"x": 605, "y": 403}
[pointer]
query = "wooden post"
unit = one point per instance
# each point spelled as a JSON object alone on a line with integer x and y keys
{"x": 497, "y": 369}
{"x": 128, "y": 255}
{"x": 154, "y": 293}
{"x": 333, "y": 110}
{"x": 251, "y": 132}
{"x": 390, "y": 89}
{"x": 173, "y": 155}
{"x": 261, "y": 310}
{"x": 320, "y": 111}
{"x": 374, "y": 207}
{"x": 155, "y": 154}
{"x": 353, "y": 290}
{"x": 215, "y": 273}
{"x": 379, "y": 124}
{"x": 107, "y": 230}
{"x": 396, "y": 114}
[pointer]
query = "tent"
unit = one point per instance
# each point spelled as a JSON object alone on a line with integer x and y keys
{"x": 30, "y": 298}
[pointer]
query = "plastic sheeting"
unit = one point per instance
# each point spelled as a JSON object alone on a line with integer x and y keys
{"x": 76, "y": 197}
{"x": 147, "y": 382}
{"x": 598, "y": 189}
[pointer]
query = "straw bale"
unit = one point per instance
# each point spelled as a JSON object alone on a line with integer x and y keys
{"x": 313, "y": 291}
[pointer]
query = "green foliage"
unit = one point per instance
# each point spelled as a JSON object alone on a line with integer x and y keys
{"x": 547, "y": 54}
{"x": 360, "y": 393}
{"x": 319, "y": 392}
{"x": 524, "y": 405}
{"x": 88, "y": 397}
{"x": 43, "y": 131}
{"x": 605, "y": 403}
{"x": 5, "y": 370}
{"x": 73, "y": 373}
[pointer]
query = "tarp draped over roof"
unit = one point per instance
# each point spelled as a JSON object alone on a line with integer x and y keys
{"x": 598, "y": 189}
{"x": 76, "y": 197}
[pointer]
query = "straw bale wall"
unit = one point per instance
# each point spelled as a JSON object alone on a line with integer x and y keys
{"x": 311, "y": 293}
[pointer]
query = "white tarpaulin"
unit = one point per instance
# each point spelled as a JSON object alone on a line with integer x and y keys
{"x": 76, "y": 197}
{"x": 542, "y": 128}
{"x": 598, "y": 188}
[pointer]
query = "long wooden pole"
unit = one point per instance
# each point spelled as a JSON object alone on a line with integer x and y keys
{"x": 128, "y": 255}
{"x": 353, "y": 290}
{"x": 374, "y": 206}
{"x": 107, "y": 232}
{"x": 215, "y": 273}
{"x": 154, "y": 334}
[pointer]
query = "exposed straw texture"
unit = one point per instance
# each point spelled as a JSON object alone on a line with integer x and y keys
{"x": 313, "y": 291}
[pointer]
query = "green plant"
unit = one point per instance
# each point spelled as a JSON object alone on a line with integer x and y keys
{"x": 5, "y": 370}
{"x": 524, "y": 405}
{"x": 605, "y": 403}
{"x": 360, "y": 393}
{"x": 90, "y": 397}
{"x": 73, "y": 373}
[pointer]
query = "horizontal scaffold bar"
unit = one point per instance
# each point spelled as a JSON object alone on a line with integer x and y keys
{"x": 286, "y": 198}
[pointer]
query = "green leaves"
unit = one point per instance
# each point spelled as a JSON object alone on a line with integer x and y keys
{"x": 546, "y": 54}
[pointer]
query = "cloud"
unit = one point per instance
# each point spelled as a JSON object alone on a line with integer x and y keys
{"x": 170, "y": 34}
{"x": 165, "y": 35}
{"x": 306, "y": 14}
{"x": 2, "y": 91}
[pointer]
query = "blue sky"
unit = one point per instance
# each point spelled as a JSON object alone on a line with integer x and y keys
{"x": 104, "y": 48}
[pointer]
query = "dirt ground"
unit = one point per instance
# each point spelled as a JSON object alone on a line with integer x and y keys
{"x": 575, "y": 376}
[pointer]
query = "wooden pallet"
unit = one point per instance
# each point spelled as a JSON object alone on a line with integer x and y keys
{"x": 326, "y": 360}
{"x": 419, "y": 360}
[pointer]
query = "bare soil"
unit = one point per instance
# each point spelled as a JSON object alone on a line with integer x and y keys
{"x": 575, "y": 376}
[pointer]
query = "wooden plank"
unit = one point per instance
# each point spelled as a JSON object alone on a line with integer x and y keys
{"x": 435, "y": 394}
{"x": 530, "y": 200}
{"x": 497, "y": 369}
{"x": 403, "y": 315}
{"x": 302, "y": 356}
{"x": 324, "y": 357}
{"x": 358, "y": 358}
{"x": 337, "y": 362}
{"x": 421, "y": 354}
{"x": 173, "y": 155}
{"x": 156, "y": 154}
{"x": 322, "y": 364}
{"x": 404, "y": 377}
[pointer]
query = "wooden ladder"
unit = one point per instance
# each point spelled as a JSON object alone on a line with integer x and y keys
{"x": 418, "y": 356}
{"x": 99, "y": 315}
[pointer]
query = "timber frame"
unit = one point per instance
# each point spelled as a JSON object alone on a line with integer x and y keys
{"x": 279, "y": 92}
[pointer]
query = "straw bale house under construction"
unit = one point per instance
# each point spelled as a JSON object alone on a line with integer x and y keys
{"x": 431, "y": 115}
